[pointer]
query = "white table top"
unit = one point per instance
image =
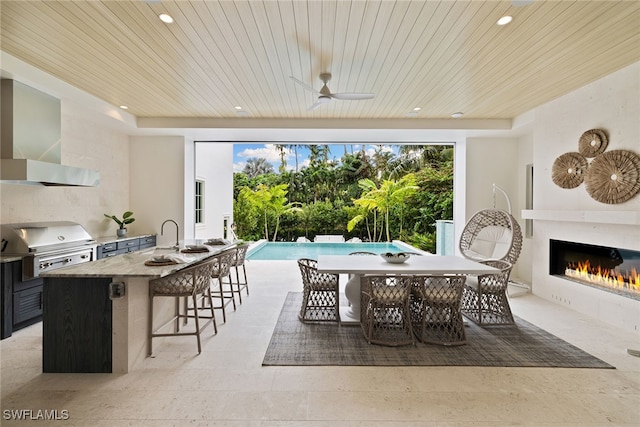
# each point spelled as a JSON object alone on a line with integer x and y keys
{"x": 427, "y": 264}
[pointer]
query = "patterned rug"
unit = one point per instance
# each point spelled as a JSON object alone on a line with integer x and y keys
{"x": 294, "y": 343}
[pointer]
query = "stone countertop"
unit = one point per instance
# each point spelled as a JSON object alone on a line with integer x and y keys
{"x": 10, "y": 258}
{"x": 111, "y": 239}
{"x": 132, "y": 264}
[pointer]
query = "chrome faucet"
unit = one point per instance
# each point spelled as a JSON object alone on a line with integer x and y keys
{"x": 177, "y": 245}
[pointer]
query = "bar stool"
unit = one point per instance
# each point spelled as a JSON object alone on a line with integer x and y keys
{"x": 221, "y": 270}
{"x": 237, "y": 262}
{"x": 384, "y": 311}
{"x": 191, "y": 282}
{"x": 435, "y": 309}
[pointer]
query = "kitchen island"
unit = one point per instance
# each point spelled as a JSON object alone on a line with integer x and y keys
{"x": 95, "y": 315}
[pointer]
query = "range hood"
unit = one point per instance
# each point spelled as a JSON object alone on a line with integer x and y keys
{"x": 31, "y": 130}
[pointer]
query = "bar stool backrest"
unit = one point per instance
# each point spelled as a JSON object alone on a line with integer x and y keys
{"x": 222, "y": 263}
{"x": 240, "y": 255}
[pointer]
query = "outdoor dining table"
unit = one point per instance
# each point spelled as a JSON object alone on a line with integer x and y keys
{"x": 416, "y": 264}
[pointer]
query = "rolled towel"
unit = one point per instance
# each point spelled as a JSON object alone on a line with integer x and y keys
{"x": 194, "y": 249}
{"x": 217, "y": 242}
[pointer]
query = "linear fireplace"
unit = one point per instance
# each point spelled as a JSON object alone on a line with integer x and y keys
{"x": 614, "y": 270}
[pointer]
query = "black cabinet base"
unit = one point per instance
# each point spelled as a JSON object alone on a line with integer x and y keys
{"x": 6, "y": 299}
{"x": 21, "y": 299}
{"x": 76, "y": 329}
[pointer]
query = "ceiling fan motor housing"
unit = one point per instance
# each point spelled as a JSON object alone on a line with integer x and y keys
{"x": 325, "y": 77}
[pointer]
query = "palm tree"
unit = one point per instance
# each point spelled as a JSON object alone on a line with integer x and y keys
{"x": 390, "y": 194}
{"x": 282, "y": 152}
{"x": 279, "y": 206}
{"x": 412, "y": 158}
{"x": 366, "y": 205}
{"x": 256, "y": 167}
{"x": 294, "y": 147}
{"x": 272, "y": 200}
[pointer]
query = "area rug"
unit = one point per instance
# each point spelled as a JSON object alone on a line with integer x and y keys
{"x": 294, "y": 343}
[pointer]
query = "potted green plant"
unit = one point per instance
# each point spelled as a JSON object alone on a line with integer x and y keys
{"x": 127, "y": 218}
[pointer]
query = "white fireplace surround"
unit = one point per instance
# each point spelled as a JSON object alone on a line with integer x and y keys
{"x": 612, "y": 104}
{"x": 599, "y": 217}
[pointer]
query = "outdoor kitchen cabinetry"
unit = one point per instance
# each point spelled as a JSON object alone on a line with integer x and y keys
{"x": 27, "y": 301}
{"x": 6, "y": 295}
{"x": 122, "y": 246}
{"x": 96, "y": 315}
{"x": 21, "y": 299}
{"x": 77, "y": 327}
{"x": 30, "y": 250}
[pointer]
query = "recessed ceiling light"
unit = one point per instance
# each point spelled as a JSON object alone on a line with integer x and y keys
{"x": 505, "y": 20}
{"x": 124, "y": 107}
{"x": 237, "y": 107}
{"x": 417, "y": 109}
{"x": 165, "y": 18}
{"x": 457, "y": 115}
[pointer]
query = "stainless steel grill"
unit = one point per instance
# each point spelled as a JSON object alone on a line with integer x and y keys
{"x": 46, "y": 246}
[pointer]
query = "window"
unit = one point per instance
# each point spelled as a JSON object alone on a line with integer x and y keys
{"x": 199, "y": 214}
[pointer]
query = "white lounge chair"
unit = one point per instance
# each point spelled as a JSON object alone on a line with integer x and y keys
{"x": 329, "y": 238}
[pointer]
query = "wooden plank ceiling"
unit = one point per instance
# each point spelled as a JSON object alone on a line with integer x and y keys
{"x": 440, "y": 56}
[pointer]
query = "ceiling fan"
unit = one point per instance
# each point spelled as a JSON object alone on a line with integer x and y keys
{"x": 325, "y": 95}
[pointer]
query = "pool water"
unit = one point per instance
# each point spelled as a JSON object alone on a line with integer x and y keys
{"x": 296, "y": 250}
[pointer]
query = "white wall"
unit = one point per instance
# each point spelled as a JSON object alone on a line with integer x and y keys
{"x": 86, "y": 142}
{"x": 189, "y": 203}
{"x": 493, "y": 161}
{"x": 613, "y": 104}
{"x": 214, "y": 166}
{"x": 525, "y": 157}
{"x": 157, "y": 180}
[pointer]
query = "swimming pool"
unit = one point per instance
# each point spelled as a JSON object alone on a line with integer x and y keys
{"x": 296, "y": 250}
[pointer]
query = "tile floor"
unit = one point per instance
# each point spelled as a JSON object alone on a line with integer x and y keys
{"x": 227, "y": 386}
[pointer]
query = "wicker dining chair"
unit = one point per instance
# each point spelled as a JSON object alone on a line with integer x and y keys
{"x": 435, "y": 309}
{"x": 491, "y": 234}
{"x": 320, "y": 293}
{"x": 484, "y": 298}
{"x": 222, "y": 270}
{"x": 191, "y": 283}
{"x": 385, "y": 315}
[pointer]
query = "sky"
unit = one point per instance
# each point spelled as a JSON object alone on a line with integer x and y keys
{"x": 243, "y": 152}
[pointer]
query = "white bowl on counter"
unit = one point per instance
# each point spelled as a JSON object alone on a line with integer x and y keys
{"x": 395, "y": 257}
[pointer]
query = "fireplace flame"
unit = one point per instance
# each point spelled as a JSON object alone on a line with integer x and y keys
{"x": 603, "y": 276}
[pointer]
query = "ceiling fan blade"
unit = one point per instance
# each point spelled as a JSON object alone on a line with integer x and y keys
{"x": 314, "y": 106}
{"x": 352, "y": 96}
{"x": 304, "y": 85}
{"x": 321, "y": 100}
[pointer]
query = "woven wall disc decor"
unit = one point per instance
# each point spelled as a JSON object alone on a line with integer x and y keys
{"x": 593, "y": 142}
{"x": 568, "y": 170}
{"x": 614, "y": 177}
